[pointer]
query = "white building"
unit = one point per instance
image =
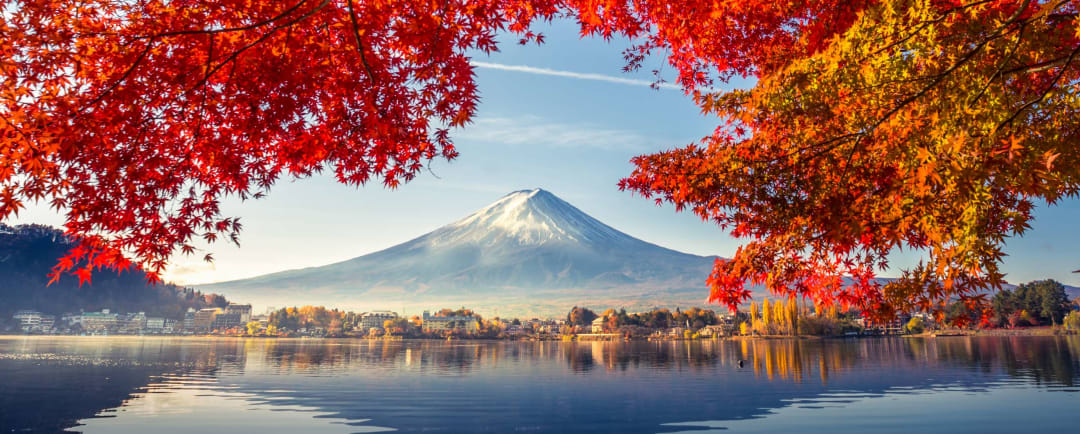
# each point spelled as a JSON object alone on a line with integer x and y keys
{"x": 135, "y": 322}
{"x": 155, "y": 324}
{"x": 438, "y": 323}
{"x": 375, "y": 320}
{"x": 171, "y": 326}
{"x": 71, "y": 318}
{"x": 598, "y": 325}
{"x": 244, "y": 310}
{"x": 189, "y": 319}
{"x": 98, "y": 321}
{"x": 34, "y": 321}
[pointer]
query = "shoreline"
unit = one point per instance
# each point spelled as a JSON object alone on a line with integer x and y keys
{"x": 1025, "y": 332}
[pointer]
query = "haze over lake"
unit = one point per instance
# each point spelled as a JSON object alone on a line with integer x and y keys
{"x": 120, "y": 385}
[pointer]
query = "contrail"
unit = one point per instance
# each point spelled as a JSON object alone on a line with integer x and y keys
{"x": 568, "y": 74}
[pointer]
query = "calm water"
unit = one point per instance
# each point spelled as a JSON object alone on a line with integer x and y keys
{"x": 120, "y": 385}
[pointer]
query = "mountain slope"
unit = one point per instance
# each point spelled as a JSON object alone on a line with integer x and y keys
{"x": 529, "y": 248}
{"x": 28, "y": 253}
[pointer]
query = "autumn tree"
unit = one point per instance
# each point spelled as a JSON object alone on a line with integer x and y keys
{"x": 612, "y": 320}
{"x": 399, "y": 326}
{"x": 137, "y": 118}
{"x": 768, "y": 316}
{"x": 1072, "y": 320}
{"x": 792, "y": 313}
{"x": 915, "y": 326}
{"x": 462, "y": 312}
{"x": 580, "y": 316}
{"x": 934, "y": 126}
{"x": 871, "y": 126}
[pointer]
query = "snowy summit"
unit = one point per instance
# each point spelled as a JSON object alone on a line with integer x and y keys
{"x": 529, "y": 217}
{"x": 527, "y": 248}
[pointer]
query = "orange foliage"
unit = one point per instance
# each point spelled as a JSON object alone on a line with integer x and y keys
{"x": 873, "y": 126}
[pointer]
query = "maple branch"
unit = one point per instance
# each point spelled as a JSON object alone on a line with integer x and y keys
{"x": 830, "y": 144}
{"x": 1050, "y": 87}
{"x": 232, "y": 57}
{"x": 997, "y": 33}
{"x": 116, "y": 83}
{"x": 936, "y": 80}
{"x": 202, "y": 105}
{"x": 204, "y": 82}
{"x": 252, "y": 26}
{"x": 16, "y": 128}
{"x": 998, "y": 73}
{"x": 1038, "y": 66}
{"x": 1023, "y": 7}
{"x": 923, "y": 24}
{"x": 360, "y": 43}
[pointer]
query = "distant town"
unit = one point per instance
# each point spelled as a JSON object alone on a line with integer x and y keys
{"x": 1036, "y": 306}
{"x": 122, "y": 304}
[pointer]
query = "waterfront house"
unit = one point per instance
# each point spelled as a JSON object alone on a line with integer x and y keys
{"x": 714, "y": 331}
{"x": 226, "y": 320}
{"x": 133, "y": 323}
{"x": 34, "y": 321}
{"x": 189, "y": 319}
{"x": 99, "y": 321}
{"x": 155, "y": 324}
{"x": 439, "y": 323}
{"x": 204, "y": 318}
{"x": 376, "y": 319}
{"x": 598, "y": 325}
{"x": 171, "y": 326}
{"x": 242, "y": 310}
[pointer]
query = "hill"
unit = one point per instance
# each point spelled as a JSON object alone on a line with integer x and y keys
{"x": 28, "y": 252}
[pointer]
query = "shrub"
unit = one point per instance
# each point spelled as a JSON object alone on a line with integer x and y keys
{"x": 818, "y": 326}
{"x": 1027, "y": 319}
{"x": 915, "y": 326}
{"x": 1072, "y": 320}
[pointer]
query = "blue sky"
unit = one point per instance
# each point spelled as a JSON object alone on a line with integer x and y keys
{"x": 560, "y": 116}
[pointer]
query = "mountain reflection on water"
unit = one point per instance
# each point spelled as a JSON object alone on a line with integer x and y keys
{"x": 127, "y": 384}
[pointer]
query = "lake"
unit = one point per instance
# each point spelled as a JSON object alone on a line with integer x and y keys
{"x": 204, "y": 385}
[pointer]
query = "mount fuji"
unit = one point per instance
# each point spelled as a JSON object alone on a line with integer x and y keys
{"x": 528, "y": 253}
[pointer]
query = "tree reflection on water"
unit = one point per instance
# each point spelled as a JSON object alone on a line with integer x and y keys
{"x": 47, "y": 384}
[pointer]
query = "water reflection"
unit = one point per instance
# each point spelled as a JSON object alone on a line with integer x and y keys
{"x": 48, "y": 384}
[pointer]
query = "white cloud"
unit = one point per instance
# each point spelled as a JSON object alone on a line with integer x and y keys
{"x": 570, "y": 74}
{"x": 533, "y": 130}
{"x": 184, "y": 271}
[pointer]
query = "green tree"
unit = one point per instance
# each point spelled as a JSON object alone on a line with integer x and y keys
{"x": 1053, "y": 302}
{"x": 1044, "y": 300}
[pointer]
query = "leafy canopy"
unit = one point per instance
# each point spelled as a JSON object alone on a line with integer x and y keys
{"x": 137, "y": 118}
{"x": 932, "y": 125}
{"x": 925, "y": 125}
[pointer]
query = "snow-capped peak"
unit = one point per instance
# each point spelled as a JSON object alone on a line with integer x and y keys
{"x": 528, "y": 217}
